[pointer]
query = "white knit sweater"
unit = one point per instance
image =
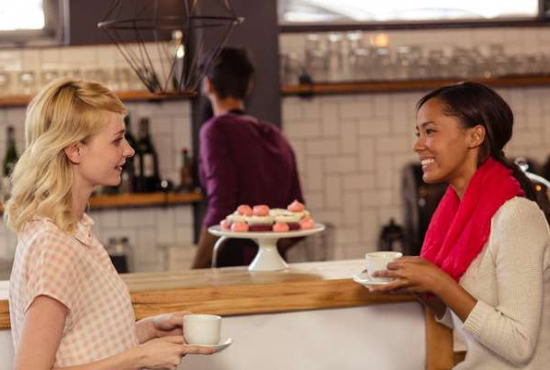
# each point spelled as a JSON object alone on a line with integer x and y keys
{"x": 509, "y": 327}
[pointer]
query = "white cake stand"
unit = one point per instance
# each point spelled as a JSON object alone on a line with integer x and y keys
{"x": 268, "y": 257}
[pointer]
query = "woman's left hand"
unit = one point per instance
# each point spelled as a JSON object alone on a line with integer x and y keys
{"x": 168, "y": 324}
{"x": 412, "y": 275}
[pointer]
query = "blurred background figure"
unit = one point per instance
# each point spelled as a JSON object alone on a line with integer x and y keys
{"x": 243, "y": 160}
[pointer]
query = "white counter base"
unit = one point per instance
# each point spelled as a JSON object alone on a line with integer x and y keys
{"x": 388, "y": 337}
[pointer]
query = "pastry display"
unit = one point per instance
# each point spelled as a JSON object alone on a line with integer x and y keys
{"x": 262, "y": 218}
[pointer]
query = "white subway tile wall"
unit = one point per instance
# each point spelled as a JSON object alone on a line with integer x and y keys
{"x": 350, "y": 149}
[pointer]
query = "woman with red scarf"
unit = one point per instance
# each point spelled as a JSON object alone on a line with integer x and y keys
{"x": 484, "y": 268}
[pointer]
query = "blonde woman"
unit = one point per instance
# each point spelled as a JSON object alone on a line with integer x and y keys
{"x": 68, "y": 306}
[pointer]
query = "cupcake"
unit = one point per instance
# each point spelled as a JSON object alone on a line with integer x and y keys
{"x": 307, "y": 223}
{"x": 291, "y": 219}
{"x": 296, "y": 207}
{"x": 239, "y": 227}
{"x": 260, "y": 223}
{"x": 280, "y": 227}
{"x": 244, "y": 210}
{"x": 225, "y": 225}
{"x": 260, "y": 210}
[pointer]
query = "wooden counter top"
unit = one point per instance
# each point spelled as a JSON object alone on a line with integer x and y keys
{"x": 232, "y": 291}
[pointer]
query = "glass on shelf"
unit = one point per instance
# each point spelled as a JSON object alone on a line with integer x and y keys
{"x": 433, "y": 58}
{"x": 499, "y": 66}
{"x": 97, "y": 74}
{"x": 334, "y": 56}
{"x": 26, "y": 83}
{"x": 5, "y": 83}
{"x": 356, "y": 40}
{"x": 357, "y": 56}
{"x": 382, "y": 64}
{"x": 282, "y": 69}
{"x": 73, "y": 73}
{"x": 48, "y": 76}
{"x": 293, "y": 68}
{"x": 135, "y": 83}
{"x": 361, "y": 63}
{"x": 316, "y": 63}
{"x": 122, "y": 77}
{"x": 402, "y": 64}
{"x": 545, "y": 63}
{"x": 345, "y": 54}
{"x": 360, "y": 56}
{"x": 422, "y": 69}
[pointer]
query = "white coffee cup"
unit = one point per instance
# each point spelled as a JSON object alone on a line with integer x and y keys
{"x": 378, "y": 261}
{"x": 202, "y": 329}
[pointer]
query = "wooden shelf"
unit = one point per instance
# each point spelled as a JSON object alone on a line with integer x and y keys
{"x": 382, "y": 86}
{"x": 21, "y": 100}
{"x": 325, "y": 88}
{"x": 140, "y": 200}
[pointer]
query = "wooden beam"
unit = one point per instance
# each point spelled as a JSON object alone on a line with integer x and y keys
{"x": 439, "y": 344}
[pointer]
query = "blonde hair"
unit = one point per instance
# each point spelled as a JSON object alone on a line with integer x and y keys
{"x": 65, "y": 112}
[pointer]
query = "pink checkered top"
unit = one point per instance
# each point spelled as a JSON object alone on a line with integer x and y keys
{"x": 76, "y": 270}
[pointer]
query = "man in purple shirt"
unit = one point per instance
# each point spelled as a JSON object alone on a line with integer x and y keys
{"x": 242, "y": 159}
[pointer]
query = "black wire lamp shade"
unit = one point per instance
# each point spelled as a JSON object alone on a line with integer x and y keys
{"x": 169, "y": 43}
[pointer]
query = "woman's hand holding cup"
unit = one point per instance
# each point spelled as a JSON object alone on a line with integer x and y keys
{"x": 378, "y": 261}
{"x": 166, "y": 352}
{"x": 412, "y": 275}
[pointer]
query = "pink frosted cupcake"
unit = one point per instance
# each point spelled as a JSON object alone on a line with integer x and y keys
{"x": 280, "y": 227}
{"x": 260, "y": 210}
{"x": 225, "y": 224}
{"x": 296, "y": 206}
{"x": 244, "y": 210}
{"x": 239, "y": 227}
{"x": 307, "y": 223}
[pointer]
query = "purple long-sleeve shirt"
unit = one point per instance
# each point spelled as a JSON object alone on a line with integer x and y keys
{"x": 245, "y": 161}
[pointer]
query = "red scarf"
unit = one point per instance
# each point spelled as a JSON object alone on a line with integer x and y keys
{"x": 459, "y": 229}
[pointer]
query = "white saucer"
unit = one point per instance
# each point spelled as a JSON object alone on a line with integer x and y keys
{"x": 364, "y": 279}
{"x": 218, "y": 347}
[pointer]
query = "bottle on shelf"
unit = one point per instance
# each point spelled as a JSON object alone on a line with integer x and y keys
{"x": 186, "y": 172}
{"x": 149, "y": 177}
{"x": 9, "y": 162}
{"x": 138, "y": 168}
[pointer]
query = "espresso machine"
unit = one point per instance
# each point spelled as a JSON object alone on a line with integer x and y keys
{"x": 419, "y": 203}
